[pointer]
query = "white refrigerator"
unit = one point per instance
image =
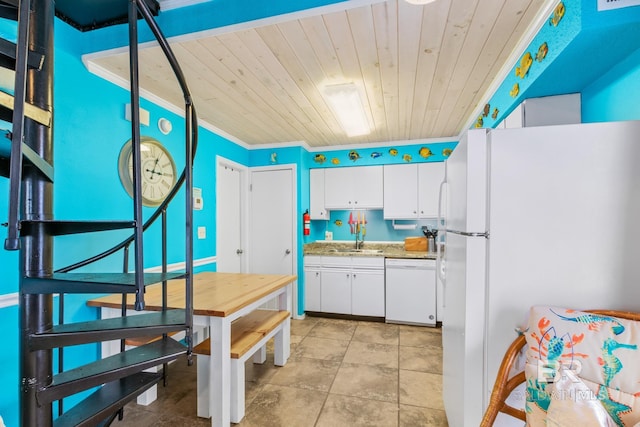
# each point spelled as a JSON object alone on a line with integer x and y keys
{"x": 540, "y": 215}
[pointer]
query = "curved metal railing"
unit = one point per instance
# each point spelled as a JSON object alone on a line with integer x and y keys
{"x": 191, "y": 142}
{"x": 191, "y": 122}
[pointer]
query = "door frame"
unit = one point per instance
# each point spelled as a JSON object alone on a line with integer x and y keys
{"x": 244, "y": 206}
{"x": 294, "y": 224}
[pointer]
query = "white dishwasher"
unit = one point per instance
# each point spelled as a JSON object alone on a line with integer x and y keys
{"x": 410, "y": 287}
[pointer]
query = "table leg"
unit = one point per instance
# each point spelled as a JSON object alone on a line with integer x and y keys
{"x": 220, "y": 369}
{"x": 282, "y": 342}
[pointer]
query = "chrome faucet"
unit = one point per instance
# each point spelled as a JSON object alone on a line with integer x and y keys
{"x": 360, "y": 242}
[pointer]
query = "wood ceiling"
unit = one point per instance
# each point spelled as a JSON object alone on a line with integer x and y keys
{"x": 423, "y": 71}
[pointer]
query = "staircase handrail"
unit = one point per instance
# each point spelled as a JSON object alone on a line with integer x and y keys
{"x": 190, "y": 119}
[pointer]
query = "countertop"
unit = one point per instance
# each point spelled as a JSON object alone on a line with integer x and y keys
{"x": 369, "y": 249}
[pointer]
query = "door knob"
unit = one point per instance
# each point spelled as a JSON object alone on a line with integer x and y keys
{"x": 288, "y": 251}
{"x": 239, "y": 251}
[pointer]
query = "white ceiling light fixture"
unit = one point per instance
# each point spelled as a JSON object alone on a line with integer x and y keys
{"x": 419, "y": 1}
{"x": 347, "y": 106}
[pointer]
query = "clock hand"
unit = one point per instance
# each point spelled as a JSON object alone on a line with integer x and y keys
{"x": 153, "y": 171}
{"x": 155, "y": 164}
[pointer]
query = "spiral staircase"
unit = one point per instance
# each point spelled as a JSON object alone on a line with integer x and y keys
{"x": 26, "y": 159}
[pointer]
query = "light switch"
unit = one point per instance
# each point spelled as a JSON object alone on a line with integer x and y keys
{"x": 202, "y": 232}
{"x": 197, "y": 199}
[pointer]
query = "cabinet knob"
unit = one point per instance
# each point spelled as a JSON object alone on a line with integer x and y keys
{"x": 317, "y": 273}
{"x": 239, "y": 251}
{"x": 288, "y": 251}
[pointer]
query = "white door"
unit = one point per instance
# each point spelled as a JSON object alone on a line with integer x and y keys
{"x": 230, "y": 197}
{"x": 272, "y": 222}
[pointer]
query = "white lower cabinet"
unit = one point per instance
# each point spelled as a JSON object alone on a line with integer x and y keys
{"x": 367, "y": 293}
{"x": 336, "y": 291}
{"x": 345, "y": 285}
{"x": 312, "y": 288}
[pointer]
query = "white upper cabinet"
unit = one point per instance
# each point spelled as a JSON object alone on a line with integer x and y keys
{"x": 316, "y": 197}
{"x": 353, "y": 188}
{"x": 430, "y": 175}
{"x": 411, "y": 191}
{"x": 400, "y": 191}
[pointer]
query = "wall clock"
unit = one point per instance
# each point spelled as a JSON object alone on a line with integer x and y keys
{"x": 158, "y": 170}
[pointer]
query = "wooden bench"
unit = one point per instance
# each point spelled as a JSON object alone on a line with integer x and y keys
{"x": 249, "y": 336}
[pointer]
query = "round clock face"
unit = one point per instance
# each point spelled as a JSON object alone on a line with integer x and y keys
{"x": 158, "y": 170}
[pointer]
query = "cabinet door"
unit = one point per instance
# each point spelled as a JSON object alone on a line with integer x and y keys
{"x": 400, "y": 191}
{"x": 430, "y": 175}
{"x": 367, "y": 293}
{"x": 312, "y": 301}
{"x": 316, "y": 194}
{"x": 337, "y": 189}
{"x": 354, "y": 187}
{"x": 335, "y": 295}
{"x": 367, "y": 185}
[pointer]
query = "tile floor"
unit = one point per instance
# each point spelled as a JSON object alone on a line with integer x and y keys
{"x": 340, "y": 373}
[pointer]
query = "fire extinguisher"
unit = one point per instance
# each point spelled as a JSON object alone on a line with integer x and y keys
{"x": 306, "y": 220}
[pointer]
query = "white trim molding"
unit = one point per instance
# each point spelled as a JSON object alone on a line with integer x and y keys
{"x": 9, "y": 300}
{"x": 181, "y": 265}
{"x": 526, "y": 39}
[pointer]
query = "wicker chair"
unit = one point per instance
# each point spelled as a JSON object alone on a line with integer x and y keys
{"x": 504, "y": 385}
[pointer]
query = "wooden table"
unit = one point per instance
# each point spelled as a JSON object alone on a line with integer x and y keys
{"x": 218, "y": 299}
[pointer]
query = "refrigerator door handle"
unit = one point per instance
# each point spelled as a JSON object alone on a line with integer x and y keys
{"x": 442, "y": 240}
{"x": 440, "y": 193}
{"x": 484, "y": 234}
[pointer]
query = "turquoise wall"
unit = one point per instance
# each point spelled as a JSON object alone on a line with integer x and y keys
{"x": 90, "y": 133}
{"x": 615, "y": 95}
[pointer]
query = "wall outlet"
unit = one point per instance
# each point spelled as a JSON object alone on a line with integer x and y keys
{"x": 328, "y": 235}
{"x": 202, "y": 232}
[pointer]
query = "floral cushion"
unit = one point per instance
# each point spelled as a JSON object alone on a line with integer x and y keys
{"x": 582, "y": 369}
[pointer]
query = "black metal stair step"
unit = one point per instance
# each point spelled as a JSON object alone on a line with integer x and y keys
{"x": 59, "y": 228}
{"x": 33, "y": 112}
{"x": 140, "y": 325}
{"x": 8, "y": 52}
{"x": 91, "y": 14}
{"x": 107, "y": 399}
{"x": 31, "y": 156}
{"x": 9, "y": 11}
{"x": 110, "y": 369}
{"x": 91, "y": 283}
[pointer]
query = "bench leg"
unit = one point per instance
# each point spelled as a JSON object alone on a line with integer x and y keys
{"x": 282, "y": 344}
{"x": 148, "y": 397}
{"x": 237, "y": 390}
{"x": 202, "y": 384}
{"x": 261, "y": 355}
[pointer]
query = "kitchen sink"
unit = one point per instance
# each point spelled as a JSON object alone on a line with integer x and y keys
{"x": 358, "y": 251}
